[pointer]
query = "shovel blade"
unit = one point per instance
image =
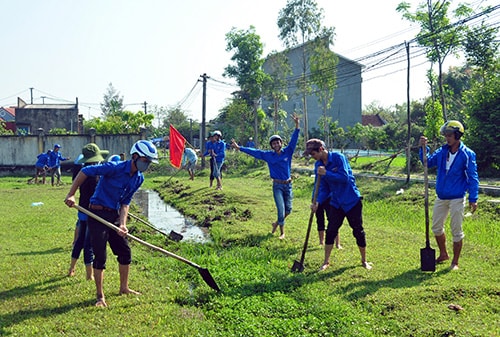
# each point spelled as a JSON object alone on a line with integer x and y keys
{"x": 207, "y": 277}
{"x": 297, "y": 267}
{"x": 174, "y": 236}
{"x": 427, "y": 259}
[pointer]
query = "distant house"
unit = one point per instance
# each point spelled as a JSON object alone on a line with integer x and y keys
{"x": 346, "y": 106}
{"x": 8, "y": 115}
{"x": 374, "y": 120}
{"x": 31, "y": 117}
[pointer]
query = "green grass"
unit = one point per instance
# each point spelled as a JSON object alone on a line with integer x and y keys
{"x": 260, "y": 296}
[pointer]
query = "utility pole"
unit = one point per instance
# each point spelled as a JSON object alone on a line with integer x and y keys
{"x": 408, "y": 145}
{"x": 43, "y": 99}
{"x": 203, "y": 114}
{"x": 145, "y": 108}
{"x": 31, "y": 90}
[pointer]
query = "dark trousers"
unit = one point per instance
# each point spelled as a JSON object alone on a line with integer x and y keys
{"x": 320, "y": 214}
{"x": 101, "y": 234}
{"x": 354, "y": 217}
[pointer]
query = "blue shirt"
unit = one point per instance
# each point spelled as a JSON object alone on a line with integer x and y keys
{"x": 55, "y": 159}
{"x": 42, "y": 160}
{"x": 189, "y": 156}
{"x": 219, "y": 148}
{"x": 250, "y": 143}
{"x": 280, "y": 164}
{"x": 115, "y": 187}
{"x": 460, "y": 178}
{"x": 338, "y": 183}
{"x": 209, "y": 146}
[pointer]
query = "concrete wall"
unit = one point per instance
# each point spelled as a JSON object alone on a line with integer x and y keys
{"x": 18, "y": 153}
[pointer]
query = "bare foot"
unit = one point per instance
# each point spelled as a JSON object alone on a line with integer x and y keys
{"x": 339, "y": 247}
{"x": 282, "y": 236}
{"x": 454, "y": 266}
{"x": 129, "y": 292}
{"x": 71, "y": 272}
{"x": 100, "y": 302}
{"x": 324, "y": 266}
{"x": 366, "y": 265}
{"x": 275, "y": 225}
{"x": 441, "y": 259}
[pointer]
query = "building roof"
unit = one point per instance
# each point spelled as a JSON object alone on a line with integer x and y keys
{"x": 374, "y": 120}
{"x": 7, "y": 114}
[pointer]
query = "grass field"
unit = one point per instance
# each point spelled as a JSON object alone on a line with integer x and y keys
{"x": 259, "y": 295}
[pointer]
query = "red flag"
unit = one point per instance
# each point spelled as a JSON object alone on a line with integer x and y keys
{"x": 177, "y": 142}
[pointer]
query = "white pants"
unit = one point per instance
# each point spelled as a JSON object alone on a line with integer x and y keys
{"x": 440, "y": 212}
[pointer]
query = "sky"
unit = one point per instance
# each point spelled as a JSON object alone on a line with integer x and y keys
{"x": 155, "y": 51}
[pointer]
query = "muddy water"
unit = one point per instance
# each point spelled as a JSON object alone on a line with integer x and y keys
{"x": 166, "y": 218}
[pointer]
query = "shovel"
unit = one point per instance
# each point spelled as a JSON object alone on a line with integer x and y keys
{"x": 298, "y": 266}
{"x": 205, "y": 274}
{"x": 174, "y": 236}
{"x": 427, "y": 254}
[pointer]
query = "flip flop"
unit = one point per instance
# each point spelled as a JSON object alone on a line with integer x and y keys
{"x": 101, "y": 303}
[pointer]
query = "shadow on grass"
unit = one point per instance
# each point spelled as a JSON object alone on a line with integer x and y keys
{"x": 42, "y": 252}
{"x": 18, "y": 317}
{"x": 408, "y": 279}
{"x": 43, "y": 286}
{"x": 285, "y": 283}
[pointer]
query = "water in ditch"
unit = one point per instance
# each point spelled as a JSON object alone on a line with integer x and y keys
{"x": 166, "y": 218}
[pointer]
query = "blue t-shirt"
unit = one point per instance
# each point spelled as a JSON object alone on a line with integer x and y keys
{"x": 280, "y": 165}
{"x": 338, "y": 183}
{"x": 115, "y": 187}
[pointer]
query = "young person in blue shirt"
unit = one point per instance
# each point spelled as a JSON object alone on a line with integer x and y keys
{"x": 338, "y": 184}
{"x": 55, "y": 159}
{"x": 41, "y": 166}
{"x": 118, "y": 181}
{"x": 456, "y": 174}
{"x": 189, "y": 160}
{"x": 279, "y": 162}
{"x": 91, "y": 155}
{"x": 209, "y": 152}
{"x": 250, "y": 142}
{"x": 218, "y": 153}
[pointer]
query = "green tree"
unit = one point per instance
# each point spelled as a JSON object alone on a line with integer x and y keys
{"x": 300, "y": 22}
{"x": 247, "y": 70}
{"x": 112, "y": 101}
{"x": 3, "y": 129}
{"x": 275, "y": 88}
{"x": 483, "y": 127}
{"x": 124, "y": 122}
{"x": 324, "y": 76}
{"x": 481, "y": 49}
{"x": 437, "y": 35}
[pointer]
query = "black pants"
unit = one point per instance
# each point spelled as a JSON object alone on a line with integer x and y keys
{"x": 354, "y": 217}
{"x": 320, "y": 214}
{"x": 101, "y": 234}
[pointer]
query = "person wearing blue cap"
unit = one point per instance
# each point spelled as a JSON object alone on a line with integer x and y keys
{"x": 55, "y": 159}
{"x": 118, "y": 181}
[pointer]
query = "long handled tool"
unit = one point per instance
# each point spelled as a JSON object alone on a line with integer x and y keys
{"x": 427, "y": 254}
{"x": 298, "y": 266}
{"x": 173, "y": 235}
{"x": 205, "y": 274}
